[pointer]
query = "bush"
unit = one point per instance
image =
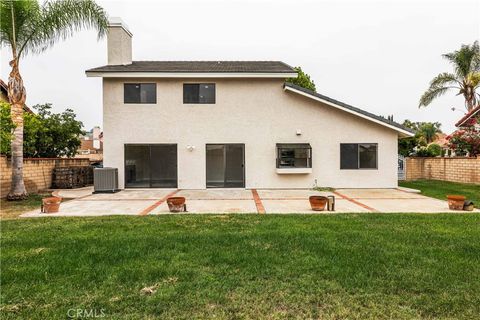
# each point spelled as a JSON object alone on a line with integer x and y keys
{"x": 465, "y": 141}
{"x": 434, "y": 149}
{"x": 6, "y": 128}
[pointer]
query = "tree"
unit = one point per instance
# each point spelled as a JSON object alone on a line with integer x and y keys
{"x": 303, "y": 80}
{"x": 27, "y": 27}
{"x": 429, "y": 131}
{"x": 465, "y": 79}
{"x": 425, "y": 133}
{"x": 46, "y": 134}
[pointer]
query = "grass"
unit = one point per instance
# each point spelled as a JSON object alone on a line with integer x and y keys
{"x": 440, "y": 189}
{"x": 355, "y": 266}
{"x": 12, "y": 209}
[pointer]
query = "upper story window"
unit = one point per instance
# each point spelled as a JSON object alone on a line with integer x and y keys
{"x": 199, "y": 93}
{"x": 140, "y": 93}
{"x": 294, "y": 155}
{"x": 358, "y": 156}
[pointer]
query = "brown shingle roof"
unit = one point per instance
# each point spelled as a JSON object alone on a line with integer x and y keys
{"x": 199, "y": 66}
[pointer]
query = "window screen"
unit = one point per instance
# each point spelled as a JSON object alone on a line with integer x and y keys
{"x": 199, "y": 93}
{"x": 358, "y": 156}
{"x": 291, "y": 155}
{"x": 140, "y": 93}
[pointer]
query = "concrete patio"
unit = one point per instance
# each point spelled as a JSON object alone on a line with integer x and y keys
{"x": 153, "y": 202}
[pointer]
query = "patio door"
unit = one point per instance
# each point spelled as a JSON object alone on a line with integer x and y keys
{"x": 225, "y": 165}
{"x": 150, "y": 165}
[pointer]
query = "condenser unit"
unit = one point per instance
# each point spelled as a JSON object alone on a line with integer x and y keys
{"x": 105, "y": 180}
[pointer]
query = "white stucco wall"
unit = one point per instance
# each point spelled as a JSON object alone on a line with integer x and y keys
{"x": 256, "y": 112}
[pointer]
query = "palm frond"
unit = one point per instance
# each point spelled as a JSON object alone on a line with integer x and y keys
{"x": 474, "y": 79}
{"x": 59, "y": 20}
{"x": 445, "y": 78}
{"x": 465, "y": 60}
{"x": 16, "y": 21}
{"x": 431, "y": 94}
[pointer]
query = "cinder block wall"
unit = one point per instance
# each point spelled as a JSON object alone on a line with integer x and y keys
{"x": 37, "y": 172}
{"x": 458, "y": 169}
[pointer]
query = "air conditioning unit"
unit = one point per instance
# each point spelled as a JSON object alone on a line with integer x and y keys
{"x": 105, "y": 180}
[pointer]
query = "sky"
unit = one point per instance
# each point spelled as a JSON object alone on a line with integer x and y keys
{"x": 375, "y": 55}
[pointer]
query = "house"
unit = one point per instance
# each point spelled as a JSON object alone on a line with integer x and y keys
{"x": 470, "y": 118}
{"x": 91, "y": 146}
{"x": 209, "y": 124}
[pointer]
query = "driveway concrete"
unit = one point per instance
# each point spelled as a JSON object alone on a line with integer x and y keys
{"x": 153, "y": 202}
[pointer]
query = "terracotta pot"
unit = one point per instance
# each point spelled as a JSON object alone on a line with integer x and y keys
{"x": 455, "y": 202}
{"x": 51, "y": 204}
{"x": 318, "y": 203}
{"x": 176, "y": 204}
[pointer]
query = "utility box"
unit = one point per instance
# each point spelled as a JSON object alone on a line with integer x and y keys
{"x": 105, "y": 180}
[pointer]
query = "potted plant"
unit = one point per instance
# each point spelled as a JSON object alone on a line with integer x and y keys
{"x": 176, "y": 204}
{"x": 318, "y": 203}
{"x": 455, "y": 202}
{"x": 51, "y": 204}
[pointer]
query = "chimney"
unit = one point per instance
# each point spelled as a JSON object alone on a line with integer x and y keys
{"x": 119, "y": 42}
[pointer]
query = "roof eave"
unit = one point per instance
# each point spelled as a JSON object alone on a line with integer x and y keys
{"x": 116, "y": 74}
{"x": 468, "y": 116}
{"x": 402, "y": 133}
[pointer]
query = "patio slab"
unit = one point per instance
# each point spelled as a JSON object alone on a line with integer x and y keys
{"x": 379, "y": 194}
{"x": 134, "y": 195}
{"x": 212, "y": 206}
{"x": 278, "y": 201}
{"x": 285, "y": 194}
{"x": 86, "y": 208}
{"x": 303, "y": 206}
{"x": 216, "y": 194}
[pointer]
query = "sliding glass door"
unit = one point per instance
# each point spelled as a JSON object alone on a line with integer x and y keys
{"x": 150, "y": 165}
{"x": 225, "y": 165}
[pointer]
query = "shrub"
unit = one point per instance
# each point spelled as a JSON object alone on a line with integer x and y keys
{"x": 465, "y": 141}
{"x": 434, "y": 149}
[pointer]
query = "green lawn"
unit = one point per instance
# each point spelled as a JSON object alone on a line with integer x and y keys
{"x": 440, "y": 189}
{"x": 351, "y": 266}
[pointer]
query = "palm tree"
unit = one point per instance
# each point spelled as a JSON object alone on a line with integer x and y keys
{"x": 27, "y": 27}
{"x": 465, "y": 79}
{"x": 429, "y": 131}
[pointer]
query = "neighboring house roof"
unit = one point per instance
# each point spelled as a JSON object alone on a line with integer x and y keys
{"x": 441, "y": 139}
{"x": 350, "y": 109}
{"x": 189, "y": 68}
{"x": 469, "y": 115}
{"x": 4, "y": 90}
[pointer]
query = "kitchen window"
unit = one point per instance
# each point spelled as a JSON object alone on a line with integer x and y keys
{"x": 294, "y": 155}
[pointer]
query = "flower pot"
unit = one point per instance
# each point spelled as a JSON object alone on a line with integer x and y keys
{"x": 176, "y": 204}
{"x": 455, "y": 202}
{"x": 51, "y": 204}
{"x": 318, "y": 203}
